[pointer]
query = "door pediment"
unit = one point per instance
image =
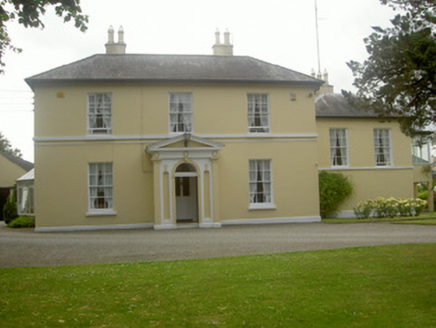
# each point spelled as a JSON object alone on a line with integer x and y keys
{"x": 184, "y": 145}
{"x": 182, "y": 141}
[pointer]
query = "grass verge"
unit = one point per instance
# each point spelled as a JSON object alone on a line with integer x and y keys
{"x": 428, "y": 217}
{"x": 386, "y": 286}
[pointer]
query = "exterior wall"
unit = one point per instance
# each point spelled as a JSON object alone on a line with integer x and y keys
{"x": 9, "y": 172}
{"x": 369, "y": 181}
{"x": 142, "y": 110}
{"x": 140, "y": 117}
{"x": 61, "y": 184}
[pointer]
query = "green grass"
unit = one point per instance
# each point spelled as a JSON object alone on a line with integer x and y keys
{"x": 428, "y": 217}
{"x": 387, "y": 286}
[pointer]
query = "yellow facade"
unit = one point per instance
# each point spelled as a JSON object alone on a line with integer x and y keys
{"x": 9, "y": 172}
{"x": 370, "y": 181}
{"x": 145, "y": 155}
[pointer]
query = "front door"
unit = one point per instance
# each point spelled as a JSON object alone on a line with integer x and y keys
{"x": 186, "y": 199}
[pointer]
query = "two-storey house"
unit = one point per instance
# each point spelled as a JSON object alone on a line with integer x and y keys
{"x": 164, "y": 141}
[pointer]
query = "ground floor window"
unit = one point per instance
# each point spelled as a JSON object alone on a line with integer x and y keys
{"x": 25, "y": 199}
{"x": 260, "y": 181}
{"x": 100, "y": 186}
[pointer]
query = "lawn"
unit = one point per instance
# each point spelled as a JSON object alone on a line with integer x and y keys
{"x": 424, "y": 218}
{"x": 386, "y": 286}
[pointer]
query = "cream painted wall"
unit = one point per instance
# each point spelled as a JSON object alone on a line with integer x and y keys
{"x": 61, "y": 185}
{"x": 9, "y": 172}
{"x": 295, "y": 179}
{"x": 143, "y": 109}
{"x": 368, "y": 180}
{"x": 63, "y": 151}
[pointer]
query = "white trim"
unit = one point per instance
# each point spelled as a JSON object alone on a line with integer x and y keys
{"x": 143, "y": 138}
{"x": 349, "y": 214}
{"x": 262, "y": 206}
{"x": 366, "y": 168}
{"x": 95, "y": 227}
{"x": 210, "y": 225}
{"x": 109, "y": 212}
{"x": 185, "y": 174}
{"x": 302, "y": 219}
{"x": 165, "y": 226}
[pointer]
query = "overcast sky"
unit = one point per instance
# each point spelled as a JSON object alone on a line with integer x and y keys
{"x": 281, "y": 32}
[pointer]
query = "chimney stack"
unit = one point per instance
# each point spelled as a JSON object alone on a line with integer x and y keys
{"x": 220, "y": 49}
{"x": 113, "y": 48}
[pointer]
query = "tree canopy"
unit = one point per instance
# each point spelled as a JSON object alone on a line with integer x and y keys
{"x": 29, "y": 12}
{"x": 398, "y": 78}
{"x": 6, "y": 147}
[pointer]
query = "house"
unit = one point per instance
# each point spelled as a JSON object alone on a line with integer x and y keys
{"x": 163, "y": 141}
{"x": 169, "y": 141}
{"x": 11, "y": 168}
{"x": 374, "y": 154}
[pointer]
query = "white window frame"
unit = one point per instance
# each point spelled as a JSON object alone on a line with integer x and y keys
{"x": 25, "y": 198}
{"x": 100, "y": 189}
{"x": 382, "y": 150}
{"x": 342, "y": 148}
{"x": 260, "y": 168}
{"x": 255, "y": 124}
{"x": 99, "y": 113}
{"x": 180, "y": 112}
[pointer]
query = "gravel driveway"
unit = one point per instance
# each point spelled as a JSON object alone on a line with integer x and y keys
{"x": 23, "y": 247}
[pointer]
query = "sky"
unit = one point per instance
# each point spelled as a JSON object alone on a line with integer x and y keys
{"x": 282, "y": 32}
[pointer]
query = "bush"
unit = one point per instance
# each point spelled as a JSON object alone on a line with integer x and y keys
{"x": 363, "y": 210}
{"x": 22, "y": 222}
{"x": 10, "y": 209}
{"x": 334, "y": 188}
{"x": 390, "y": 207}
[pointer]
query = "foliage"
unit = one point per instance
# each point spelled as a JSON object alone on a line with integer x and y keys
{"x": 10, "y": 209}
{"x": 384, "y": 286}
{"x": 22, "y": 222}
{"x": 6, "y": 147}
{"x": 334, "y": 188}
{"x": 398, "y": 78}
{"x": 28, "y": 14}
{"x": 363, "y": 210}
{"x": 383, "y": 208}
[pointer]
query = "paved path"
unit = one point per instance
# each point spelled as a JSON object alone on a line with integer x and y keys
{"x": 23, "y": 247}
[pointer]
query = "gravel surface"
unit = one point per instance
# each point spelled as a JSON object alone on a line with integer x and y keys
{"x": 23, "y": 247}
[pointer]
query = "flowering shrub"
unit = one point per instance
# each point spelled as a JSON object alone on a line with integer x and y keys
{"x": 390, "y": 207}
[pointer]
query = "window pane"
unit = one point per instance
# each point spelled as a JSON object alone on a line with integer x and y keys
{"x": 100, "y": 186}
{"x": 99, "y": 113}
{"x": 260, "y": 181}
{"x": 180, "y": 109}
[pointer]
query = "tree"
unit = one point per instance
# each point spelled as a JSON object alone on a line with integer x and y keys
{"x": 399, "y": 77}
{"x": 28, "y": 13}
{"x": 6, "y": 147}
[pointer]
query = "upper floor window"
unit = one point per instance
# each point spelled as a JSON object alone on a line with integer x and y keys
{"x": 100, "y": 182}
{"x": 260, "y": 181}
{"x": 180, "y": 112}
{"x": 258, "y": 113}
{"x": 99, "y": 113}
{"x": 338, "y": 147}
{"x": 382, "y": 147}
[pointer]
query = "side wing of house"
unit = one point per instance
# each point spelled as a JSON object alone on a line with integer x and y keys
{"x": 375, "y": 155}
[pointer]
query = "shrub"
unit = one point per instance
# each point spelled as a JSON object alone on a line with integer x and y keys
{"x": 391, "y": 207}
{"x": 334, "y": 188}
{"x": 364, "y": 209}
{"x": 22, "y": 222}
{"x": 10, "y": 209}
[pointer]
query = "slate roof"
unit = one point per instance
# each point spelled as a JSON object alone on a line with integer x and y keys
{"x": 25, "y": 165}
{"x": 336, "y": 106}
{"x": 172, "y": 68}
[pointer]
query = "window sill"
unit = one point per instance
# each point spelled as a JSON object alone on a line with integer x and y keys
{"x": 262, "y": 206}
{"x": 101, "y": 213}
